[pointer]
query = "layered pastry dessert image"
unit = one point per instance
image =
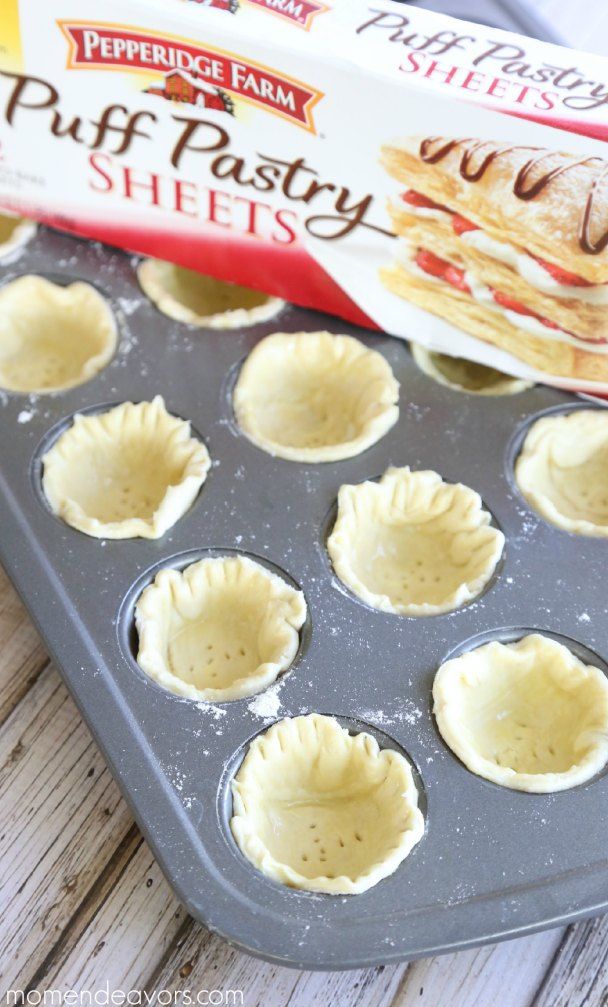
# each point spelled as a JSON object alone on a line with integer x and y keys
{"x": 508, "y": 243}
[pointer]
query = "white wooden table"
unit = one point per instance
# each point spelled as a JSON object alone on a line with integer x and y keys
{"x": 83, "y": 904}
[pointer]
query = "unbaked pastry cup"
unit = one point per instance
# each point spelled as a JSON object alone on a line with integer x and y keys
{"x": 130, "y": 472}
{"x": 412, "y": 544}
{"x": 317, "y": 808}
{"x": 562, "y": 470}
{"x": 201, "y": 300}
{"x": 52, "y": 337}
{"x": 527, "y": 715}
{"x": 222, "y": 629}
{"x": 315, "y": 397}
{"x": 15, "y": 232}
{"x": 465, "y": 375}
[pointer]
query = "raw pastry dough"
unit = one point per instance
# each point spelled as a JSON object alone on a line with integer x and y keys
{"x": 222, "y": 629}
{"x": 563, "y": 470}
{"x": 315, "y": 397}
{"x": 412, "y": 544}
{"x": 52, "y": 337}
{"x": 527, "y": 715}
{"x": 202, "y": 300}
{"x": 15, "y": 232}
{"x": 130, "y": 472}
{"x": 466, "y": 375}
{"x": 320, "y": 809}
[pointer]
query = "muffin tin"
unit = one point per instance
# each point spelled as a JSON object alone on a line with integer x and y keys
{"x": 493, "y": 863}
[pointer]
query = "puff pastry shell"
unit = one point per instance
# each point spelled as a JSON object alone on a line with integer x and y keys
{"x": 563, "y": 470}
{"x": 526, "y": 715}
{"x": 130, "y": 472}
{"x": 319, "y": 809}
{"x": 52, "y": 337}
{"x": 466, "y": 375}
{"x": 222, "y": 629}
{"x": 197, "y": 299}
{"x": 315, "y": 397}
{"x": 15, "y": 232}
{"x": 412, "y": 544}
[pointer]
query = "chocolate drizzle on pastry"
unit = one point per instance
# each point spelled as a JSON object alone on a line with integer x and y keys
{"x": 432, "y": 150}
{"x": 586, "y": 242}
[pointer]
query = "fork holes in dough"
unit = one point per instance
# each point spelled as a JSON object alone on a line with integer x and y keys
{"x": 281, "y": 789}
{"x": 88, "y": 470}
{"x": 53, "y": 336}
{"x": 315, "y": 396}
{"x": 413, "y": 545}
{"x": 185, "y": 619}
{"x": 525, "y": 710}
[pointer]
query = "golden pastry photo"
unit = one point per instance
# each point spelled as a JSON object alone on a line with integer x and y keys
{"x": 508, "y": 243}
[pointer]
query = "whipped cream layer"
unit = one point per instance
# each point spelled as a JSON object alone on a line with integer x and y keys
{"x": 522, "y": 262}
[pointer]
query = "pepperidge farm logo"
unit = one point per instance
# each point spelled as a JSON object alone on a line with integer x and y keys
{"x": 299, "y": 12}
{"x": 188, "y": 72}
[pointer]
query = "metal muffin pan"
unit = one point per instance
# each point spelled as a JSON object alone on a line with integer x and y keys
{"x": 493, "y": 863}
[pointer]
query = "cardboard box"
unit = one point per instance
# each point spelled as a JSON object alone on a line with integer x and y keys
{"x": 391, "y": 166}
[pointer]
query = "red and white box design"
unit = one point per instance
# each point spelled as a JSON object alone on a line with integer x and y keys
{"x": 439, "y": 180}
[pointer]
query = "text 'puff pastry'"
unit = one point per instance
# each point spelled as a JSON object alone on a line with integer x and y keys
{"x": 315, "y": 397}
{"x": 52, "y": 337}
{"x": 222, "y": 629}
{"x": 563, "y": 470}
{"x": 526, "y": 715}
{"x": 320, "y": 809}
{"x": 466, "y": 375}
{"x": 412, "y": 544}
{"x": 197, "y": 299}
{"x": 130, "y": 472}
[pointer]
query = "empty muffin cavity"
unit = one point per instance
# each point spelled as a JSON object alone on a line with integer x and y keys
{"x": 198, "y": 299}
{"x": 466, "y": 375}
{"x": 15, "y": 232}
{"x": 315, "y": 397}
{"x": 412, "y": 544}
{"x": 527, "y": 715}
{"x": 52, "y": 337}
{"x": 223, "y": 628}
{"x": 130, "y": 472}
{"x": 562, "y": 470}
{"x": 317, "y": 808}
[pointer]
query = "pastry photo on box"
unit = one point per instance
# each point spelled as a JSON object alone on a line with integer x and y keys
{"x": 508, "y": 243}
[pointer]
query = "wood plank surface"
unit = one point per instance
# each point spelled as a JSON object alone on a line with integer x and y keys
{"x": 63, "y": 820}
{"x": 22, "y": 654}
{"x": 82, "y": 902}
